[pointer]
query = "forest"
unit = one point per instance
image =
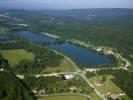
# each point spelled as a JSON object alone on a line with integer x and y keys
{"x": 11, "y": 88}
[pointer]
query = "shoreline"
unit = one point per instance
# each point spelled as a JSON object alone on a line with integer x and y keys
{"x": 107, "y": 51}
{"x": 122, "y": 63}
{"x": 50, "y": 35}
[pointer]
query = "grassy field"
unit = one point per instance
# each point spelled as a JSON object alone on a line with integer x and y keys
{"x": 95, "y": 96}
{"x": 63, "y": 98}
{"x": 107, "y": 86}
{"x": 65, "y": 66}
{"x": 15, "y": 56}
{"x": 3, "y": 30}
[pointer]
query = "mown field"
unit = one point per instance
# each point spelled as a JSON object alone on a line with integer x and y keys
{"x": 65, "y": 66}
{"x": 16, "y": 56}
{"x": 63, "y": 98}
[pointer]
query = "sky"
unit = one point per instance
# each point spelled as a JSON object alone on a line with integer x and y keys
{"x": 65, "y": 4}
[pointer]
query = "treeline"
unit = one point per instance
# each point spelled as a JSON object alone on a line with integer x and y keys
{"x": 11, "y": 88}
{"x": 49, "y": 84}
{"x": 53, "y": 84}
{"x": 43, "y": 57}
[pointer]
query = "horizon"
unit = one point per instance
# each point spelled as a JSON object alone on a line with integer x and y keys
{"x": 65, "y": 5}
{"x": 60, "y": 9}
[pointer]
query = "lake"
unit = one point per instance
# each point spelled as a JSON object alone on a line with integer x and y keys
{"x": 35, "y": 37}
{"x": 79, "y": 54}
{"x": 4, "y": 37}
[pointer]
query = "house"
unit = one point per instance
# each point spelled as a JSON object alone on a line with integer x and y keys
{"x": 20, "y": 76}
{"x": 1, "y": 69}
{"x": 115, "y": 96}
{"x": 41, "y": 92}
{"x": 73, "y": 88}
{"x": 99, "y": 49}
{"x": 34, "y": 91}
{"x": 67, "y": 77}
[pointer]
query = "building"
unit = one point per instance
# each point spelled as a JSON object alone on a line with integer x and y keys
{"x": 67, "y": 77}
{"x": 73, "y": 88}
{"x": 1, "y": 69}
{"x": 115, "y": 96}
{"x": 41, "y": 92}
{"x": 20, "y": 76}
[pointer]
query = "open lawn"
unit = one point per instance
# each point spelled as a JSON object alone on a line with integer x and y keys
{"x": 107, "y": 86}
{"x": 15, "y": 56}
{"x": 63, "y": 98}
{"x": 65, "y": 66}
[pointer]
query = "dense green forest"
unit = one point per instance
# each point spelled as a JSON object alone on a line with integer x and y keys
{"x": 11, "y": 88}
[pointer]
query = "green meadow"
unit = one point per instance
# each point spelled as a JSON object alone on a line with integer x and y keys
{"x": 16, "y": 56}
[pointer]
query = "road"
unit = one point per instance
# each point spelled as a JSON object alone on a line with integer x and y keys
{"x": 77, "y": 71}
{"x": 82, "y": 74}
{"x": 92, "y": 86}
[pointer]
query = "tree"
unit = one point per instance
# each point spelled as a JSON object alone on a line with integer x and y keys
{"x": 103, "y": 78}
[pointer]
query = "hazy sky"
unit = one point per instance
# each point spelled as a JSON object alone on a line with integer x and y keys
{"x": 65, "y": 4}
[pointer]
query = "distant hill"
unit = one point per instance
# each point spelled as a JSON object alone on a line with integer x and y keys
{"x": 89, "y": 12}
{"x": 76, "y": 12}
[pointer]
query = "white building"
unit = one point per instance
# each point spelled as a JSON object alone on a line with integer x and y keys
{"x": 67, "y": 77}
{"x": 1, "y": 69}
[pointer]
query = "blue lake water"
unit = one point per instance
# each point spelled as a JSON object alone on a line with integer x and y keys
{"x": 34, "y": 36}
{"x": 79, "y": 54}
{"x": 4, "y": 37}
